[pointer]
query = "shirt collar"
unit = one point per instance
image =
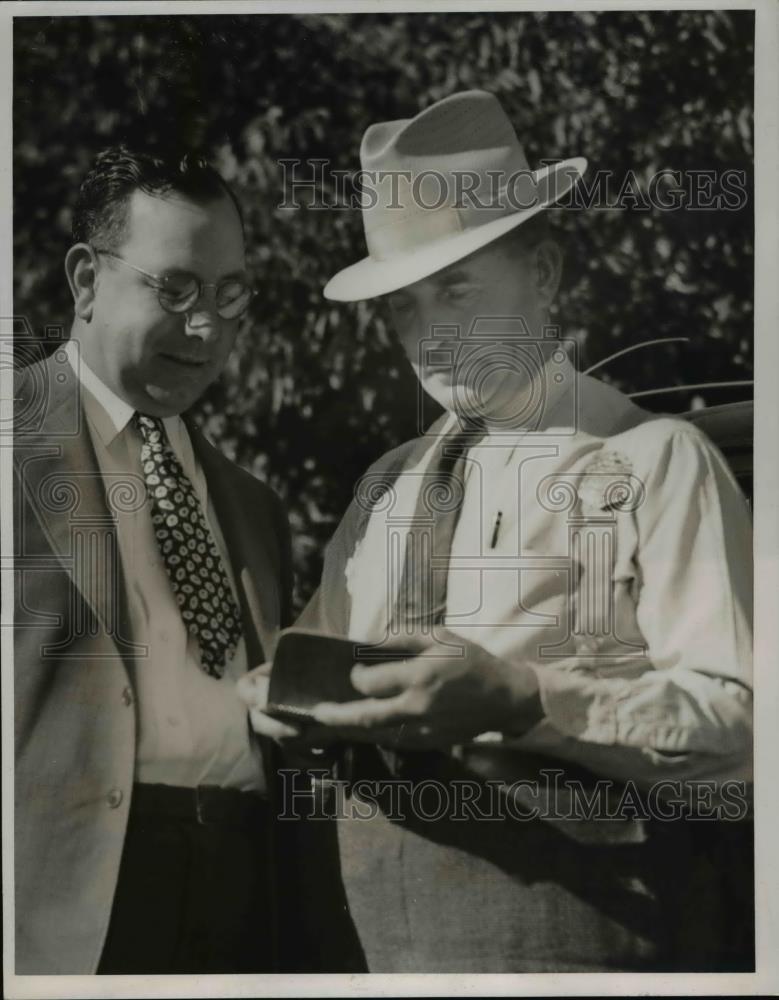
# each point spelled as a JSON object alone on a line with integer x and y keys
{"x": 560, "y": 378}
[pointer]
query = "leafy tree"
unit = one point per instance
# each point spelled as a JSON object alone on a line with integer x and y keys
{"x": 316, "y": 390}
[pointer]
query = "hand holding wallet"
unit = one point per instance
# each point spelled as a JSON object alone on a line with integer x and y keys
{"x": 310, "y": 667}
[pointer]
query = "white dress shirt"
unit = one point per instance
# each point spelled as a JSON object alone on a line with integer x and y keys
{"x": 637, "y": 620}
{"x": 193, "y": 729}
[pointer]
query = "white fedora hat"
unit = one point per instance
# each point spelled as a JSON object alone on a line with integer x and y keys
{"x": 439, "y": 187}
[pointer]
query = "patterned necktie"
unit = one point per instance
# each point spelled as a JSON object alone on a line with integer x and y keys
{"x": 421, "y": 600}
{"x": 192, "y": 560}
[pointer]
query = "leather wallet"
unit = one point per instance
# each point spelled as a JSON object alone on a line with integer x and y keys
{"x": 310, "y": 667}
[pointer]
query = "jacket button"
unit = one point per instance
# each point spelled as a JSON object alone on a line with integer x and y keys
{"x": 114, "y": 798}
{"x": 127, "y": 696}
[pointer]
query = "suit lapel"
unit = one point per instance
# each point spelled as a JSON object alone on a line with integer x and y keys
{"x": 65, "y": 491}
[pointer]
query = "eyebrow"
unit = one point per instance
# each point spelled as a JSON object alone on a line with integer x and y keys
{"x": 453, "y": 277}
{"x": 441, "y": 280}
{"x": 239, "y": 273}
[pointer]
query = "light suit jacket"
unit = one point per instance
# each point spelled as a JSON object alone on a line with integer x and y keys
{"x": 75, "y": 720}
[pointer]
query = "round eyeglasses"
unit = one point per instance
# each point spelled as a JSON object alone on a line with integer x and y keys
{"x": 179, "y": 291}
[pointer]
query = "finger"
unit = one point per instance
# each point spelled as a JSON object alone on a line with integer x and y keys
{"x": 274, "y": 728}
{"x": 413, "y": 643}
{"x": 363, "y": 713}
{"x": 252, "y": 687}
{"x": 383, "y": 679}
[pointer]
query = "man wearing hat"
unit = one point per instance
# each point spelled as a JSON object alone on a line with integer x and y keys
{"x": 573, "y": 574}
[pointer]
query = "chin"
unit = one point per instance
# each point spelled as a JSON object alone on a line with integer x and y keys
{"x": 163, "y": 402}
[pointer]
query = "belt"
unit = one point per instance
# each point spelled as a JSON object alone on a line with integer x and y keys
{"x": 204, "y": 805}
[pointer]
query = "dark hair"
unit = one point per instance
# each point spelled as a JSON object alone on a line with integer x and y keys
{"x": 101, "y": 209}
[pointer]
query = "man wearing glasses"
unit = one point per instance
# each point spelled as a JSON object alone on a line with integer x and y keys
{"x": 143, "y": 837}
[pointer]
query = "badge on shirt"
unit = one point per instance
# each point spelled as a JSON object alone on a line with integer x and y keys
{"x": 608, "y": 483}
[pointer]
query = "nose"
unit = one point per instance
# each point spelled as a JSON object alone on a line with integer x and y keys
{"x": 202, "y": 326}
{"x": 432, "y": 330}
{"x": 202, "y": 320}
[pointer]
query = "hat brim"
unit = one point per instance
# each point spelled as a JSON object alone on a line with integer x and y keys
{"x": 369, "y": 278}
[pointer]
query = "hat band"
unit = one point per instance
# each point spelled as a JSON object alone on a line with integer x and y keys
{"x": 410, "y": 231}
{"x": 410, "y": 228}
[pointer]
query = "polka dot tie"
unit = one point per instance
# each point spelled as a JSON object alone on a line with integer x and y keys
{"x": 197, "y": 574}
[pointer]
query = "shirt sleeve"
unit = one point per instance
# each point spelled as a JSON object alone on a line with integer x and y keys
{"x": 690, "y": 714}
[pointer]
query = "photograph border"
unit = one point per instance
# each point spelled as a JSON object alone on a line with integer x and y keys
{"x": 765, "y": 980}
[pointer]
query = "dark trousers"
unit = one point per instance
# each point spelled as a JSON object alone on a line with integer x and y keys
{"x": 194, "y": 893}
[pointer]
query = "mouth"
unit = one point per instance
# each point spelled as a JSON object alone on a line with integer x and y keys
{"x": 188, "y": 361}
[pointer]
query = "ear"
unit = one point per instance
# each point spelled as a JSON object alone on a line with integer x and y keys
{"x": 549, "y": 269}
{"x": 81, "y": 271}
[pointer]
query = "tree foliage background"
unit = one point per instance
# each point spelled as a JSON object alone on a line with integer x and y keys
{"x": 316, "y": 391}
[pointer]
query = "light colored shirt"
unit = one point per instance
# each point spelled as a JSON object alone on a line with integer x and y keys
{"x": 193, "y": 729}
{"x": 637, "y": 619}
